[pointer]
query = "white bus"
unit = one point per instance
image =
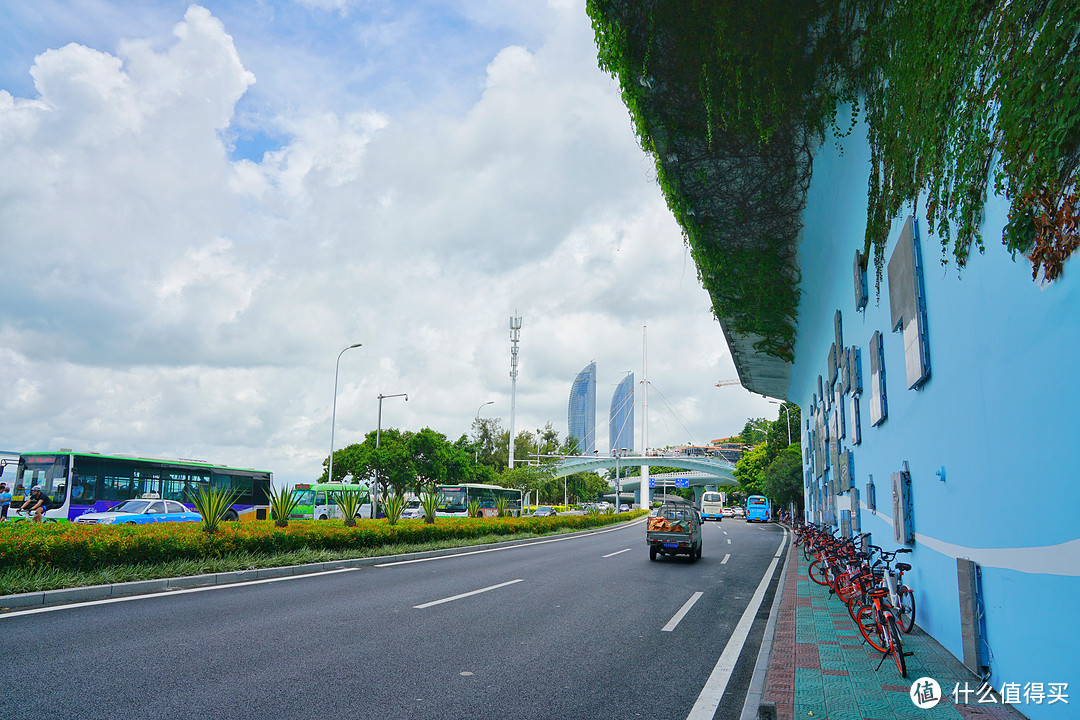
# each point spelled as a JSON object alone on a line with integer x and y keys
{"x": 712, "y": 506}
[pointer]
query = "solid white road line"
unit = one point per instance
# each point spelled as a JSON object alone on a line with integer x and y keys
{"x": 709, "y": 699}
{"x": 682, "y": 613}
{"x": 617, "y": 552}
{"x": 185, "y": 591}
{"x": 724, "y": 561}
{"x": 468, "y": 594}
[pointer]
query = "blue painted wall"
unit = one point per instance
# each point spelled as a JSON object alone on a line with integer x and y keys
{"x": 999, "y": 413}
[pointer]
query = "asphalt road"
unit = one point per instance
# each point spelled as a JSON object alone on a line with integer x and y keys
{"x": 572, "y": 628}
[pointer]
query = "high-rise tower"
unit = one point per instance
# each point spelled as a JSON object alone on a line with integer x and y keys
{"x": 622, "y": 415}
{"x": 581, "y": 416}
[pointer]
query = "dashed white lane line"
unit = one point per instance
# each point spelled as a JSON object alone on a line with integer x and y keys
{"x": 617, "y": 552}
{"x": 724, "y": 561}
{"x": 468, "y": 594}
{"x": 674, "y": 621}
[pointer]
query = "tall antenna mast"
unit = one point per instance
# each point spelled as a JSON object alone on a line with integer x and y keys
{"x": 515, "y": 335}
{"x": 646, "y": 492}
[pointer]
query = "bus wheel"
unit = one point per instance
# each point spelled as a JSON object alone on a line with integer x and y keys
{"x": 323, "y": 517}
{"x": 230, "y": 516}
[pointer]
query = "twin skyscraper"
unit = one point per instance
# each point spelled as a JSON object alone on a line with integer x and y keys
{"x": 581, "y": 416}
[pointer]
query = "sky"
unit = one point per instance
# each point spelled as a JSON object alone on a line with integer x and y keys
{"x": 202, "y": 205}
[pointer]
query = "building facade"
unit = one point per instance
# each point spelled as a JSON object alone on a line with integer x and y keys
{"x": 939, "y": 415}
{"x": 621, "y": 431}
{"x": 581, "y": 415}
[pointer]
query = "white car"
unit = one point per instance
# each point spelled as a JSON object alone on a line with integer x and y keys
{"x": 413, "y": 510}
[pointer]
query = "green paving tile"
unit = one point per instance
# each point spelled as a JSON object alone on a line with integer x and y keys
{"x": 803, "y": 710}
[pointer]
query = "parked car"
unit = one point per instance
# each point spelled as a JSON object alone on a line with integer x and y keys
{"x": 141, "y": 512}
{"x": 544, "y": 511}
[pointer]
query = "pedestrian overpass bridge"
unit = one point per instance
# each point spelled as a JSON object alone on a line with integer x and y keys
{"x": 700, "y": 471}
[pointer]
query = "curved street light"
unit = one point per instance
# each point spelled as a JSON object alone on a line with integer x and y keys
{"x": 333, "y": 414}
{"x": 378, "y": 465}
{"x": 476, "y": 452}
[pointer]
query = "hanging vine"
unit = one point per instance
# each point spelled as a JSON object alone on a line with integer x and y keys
{"x": 730, "y": 97}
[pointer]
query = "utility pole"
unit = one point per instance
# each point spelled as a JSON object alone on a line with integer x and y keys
{"x": 515, "y": 335}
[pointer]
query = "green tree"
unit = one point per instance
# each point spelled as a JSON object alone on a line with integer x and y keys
{"x": 750, "y": 471}
{"x": 783, "y": 479}
{"x": 754, "y": 432}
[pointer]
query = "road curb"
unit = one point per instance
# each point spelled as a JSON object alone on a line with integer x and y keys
{"x": 65, "y": 596}
{"x": 753, "y": 706}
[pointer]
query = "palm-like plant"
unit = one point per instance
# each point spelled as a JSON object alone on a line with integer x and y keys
{"x": 349, "y": 502}
{"x": 474, "y": 508}
{"x": 282, "y": 503}
{"x": 429, "y": 501}
{"x": 393, "y": 506}
{"x": 212, "y": 503}
{"x": 500, "y": 506}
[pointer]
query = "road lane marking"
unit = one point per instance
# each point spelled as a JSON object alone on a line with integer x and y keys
{"x": 709, "y": 699}
{"x": 468, "y": 594}
{"x": 782, "y": 544}
{"x": 574, "y": 536}
{"x": 618, "y": 552}
{"x": 729, "y": 541}
{"x": 724, "y": 561}
{"x": 682, "y": 612}
{"x": 170, "y": 593}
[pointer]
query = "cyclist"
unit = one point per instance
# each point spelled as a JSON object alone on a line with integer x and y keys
{"x": 38, "y": 502}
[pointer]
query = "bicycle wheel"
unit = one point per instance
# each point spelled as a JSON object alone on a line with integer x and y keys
{"x": 896, "y": 647}
{"x": 906, "y": 611}
{"x": 866, "y": 620}
{"x": 816, "y": 571}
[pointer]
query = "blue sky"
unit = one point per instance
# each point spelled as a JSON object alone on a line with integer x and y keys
{"x": 204, "y": 203}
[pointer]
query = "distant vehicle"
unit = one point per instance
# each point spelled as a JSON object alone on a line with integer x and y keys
{"x": 675, "y": 530}
{"x": 544, "y": 511}
{"x": 712, "y": 506}
{"x": 319, "y": 501}
{"x": 412, "y": 510}
{"x": 758, "y": 509}
{"x": 728, "y": 512}
{"x": 737, "y": 511}
{"x": 141, "y": 512}
{"x": 624, "y": 508}
{"x": 81, "y": 483}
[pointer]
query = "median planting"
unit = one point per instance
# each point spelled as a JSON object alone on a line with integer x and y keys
{"x": 71, "y": 546}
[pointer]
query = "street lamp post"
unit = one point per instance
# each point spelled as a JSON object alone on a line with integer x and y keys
{"x": 476, "y": 452}
{"x": 378, "y": 464}
{"x": 333, "y": 414}
{"x": 784, "y": 407}
{"x": 618, "y": 453}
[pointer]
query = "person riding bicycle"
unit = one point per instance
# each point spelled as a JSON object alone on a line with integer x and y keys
{"x": 37, "y": 502}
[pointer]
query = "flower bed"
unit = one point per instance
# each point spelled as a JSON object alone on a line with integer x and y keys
{"x": 83, "y": 547}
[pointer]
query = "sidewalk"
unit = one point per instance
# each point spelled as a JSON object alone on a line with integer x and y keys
{"x": 821, "y": 668}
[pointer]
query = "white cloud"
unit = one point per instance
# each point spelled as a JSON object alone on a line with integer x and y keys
{"x": 162, "y": 299}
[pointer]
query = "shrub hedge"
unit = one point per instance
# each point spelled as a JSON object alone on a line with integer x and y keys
{"x": 83, "y": 547}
